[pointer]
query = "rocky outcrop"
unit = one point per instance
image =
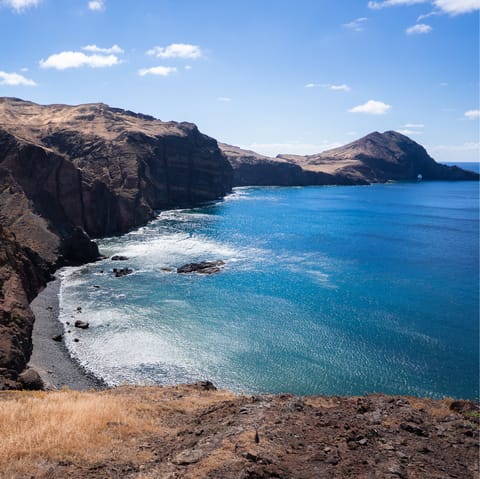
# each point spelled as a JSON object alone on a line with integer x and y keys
{"x": 253, "y": 169}
{"x": 204, "y": 267}
{"x": 381, "y": 157}
{"x": 69, "y": 173}
{"x": 22, "y": 274}
{"x": 376, "y": 158}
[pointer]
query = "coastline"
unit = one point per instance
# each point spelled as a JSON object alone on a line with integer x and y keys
{"x": 50, "y": 358}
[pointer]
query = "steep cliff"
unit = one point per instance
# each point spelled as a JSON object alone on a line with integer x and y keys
{"x": 253, "y": 169}
{"x": 375, "y": 158}
{"x": 68, "y": 173}
{"x": 380, "y": 157}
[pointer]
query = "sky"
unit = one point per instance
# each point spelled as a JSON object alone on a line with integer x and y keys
{"x": 275, "y": 76}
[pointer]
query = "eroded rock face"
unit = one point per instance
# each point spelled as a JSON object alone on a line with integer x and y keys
{"x": 375, "y": 158}
{"x": 381, "y": 157}
{"x": 69, "y": 173}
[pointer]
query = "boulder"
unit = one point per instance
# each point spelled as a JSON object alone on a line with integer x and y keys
{"x": 81, "y": 324}
{"x": 31, "y": 380}
{"x": 204, "y": 267}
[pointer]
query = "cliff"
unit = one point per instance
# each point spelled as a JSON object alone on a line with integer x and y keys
{"x": 253, "y": 169}
{"x": 68, "y": 173}
{"x": 375, "y": 158}
{"x": 381, "y": 157}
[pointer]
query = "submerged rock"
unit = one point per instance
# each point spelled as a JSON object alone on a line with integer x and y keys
{"x": 204, "y": 267}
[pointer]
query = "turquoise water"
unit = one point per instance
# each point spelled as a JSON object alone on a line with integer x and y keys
{"x": 326, "y": 290}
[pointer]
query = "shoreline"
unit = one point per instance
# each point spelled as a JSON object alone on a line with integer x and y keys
{"x": 50, "y": 358}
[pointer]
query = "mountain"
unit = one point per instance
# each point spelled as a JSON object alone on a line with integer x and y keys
{"x": 380, "y": 157}
{"x": 253, "y": 169}
{"x": 68, "y": 173}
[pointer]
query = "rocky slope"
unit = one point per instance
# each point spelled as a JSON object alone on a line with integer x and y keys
{"x": 197, "y": 432}
{"x": 253, "y": 169}
{"x": 375, "y": 158}
{"x": 380, "y": 157}
{"x": 68, "y": 173}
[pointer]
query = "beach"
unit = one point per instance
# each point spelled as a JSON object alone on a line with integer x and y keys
{"x": 50, "y": 358}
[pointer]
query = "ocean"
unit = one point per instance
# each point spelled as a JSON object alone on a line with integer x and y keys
{"x": 325, "y": 290}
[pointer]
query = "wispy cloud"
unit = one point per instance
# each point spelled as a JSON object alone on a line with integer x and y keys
{"x": 371, "y": 107}
{"x": 159, "y": 71}
{"x": 414, "y": 125}
{"x": 177, "y": 50}
{"x": 15, "y": 79}
{"x": 408, "y": 132}
{"x": 451, "y": 7}
{"x": 20, "y": 5}
{"x": 357, "y": 25}
{"x": 93, "y": 48}
{"x": 96, "y": 5}
{"x": 329, "y": 86}
{"x": 392, "y": 3}
{"x": 72, "y": 59}
{"x": 224, "y": 99}
{"x": 467, "y": 146}
{"x": 472, "y": 114}
{"x": 419, "y": 29}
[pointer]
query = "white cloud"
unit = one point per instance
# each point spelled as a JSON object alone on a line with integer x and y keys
{"x": 357, "y": 25}
{"x": 93, "y": 48}
{"x": 418, "y": 29}
{"x": 472, "y": 114}
{"x": 96, "y": 5}
{"x": 371, "y": 107}
{"x": 452, "y": 7}
{"x": 456, "y": 7}
{"x": 20, "y": 5}
{"x": 342, "y": 87}
{"x": 468, "y": 146}
{"x": 188, "y": 67}
{"x": 414, "y": 125}
{"x": 64, "y": 60}
{"x": 177, "y": 50}
{"x": 160, "y": 71}
{"x": 408, "y": 132}
{"x": 224, "y": 99}
{"x": 15, "y": 79}
{"x": 392, "y": 3}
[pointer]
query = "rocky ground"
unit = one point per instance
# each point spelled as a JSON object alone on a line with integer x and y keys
{"x": 196, "y": 432}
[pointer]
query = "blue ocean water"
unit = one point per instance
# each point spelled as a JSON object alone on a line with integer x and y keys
{"x": 325, "y": 290}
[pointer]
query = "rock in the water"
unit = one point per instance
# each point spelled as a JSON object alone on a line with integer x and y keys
{"x": 204, "y": 267}
{"x": 31, "y": 380}
{"x": 57, "y": 337}
{"x": 119, "y": 272}
{"x": 81, "y": 324}
{"x": 119, "y": 257}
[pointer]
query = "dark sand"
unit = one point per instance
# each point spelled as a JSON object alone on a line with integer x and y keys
{"x": 51, "y": 358}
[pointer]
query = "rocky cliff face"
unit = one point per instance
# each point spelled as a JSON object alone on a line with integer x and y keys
{"x": 381, "y": 157}
{"x": 68, "y": 173}
{"x": 375, "y": 158}
{"x": 253, "y": 169}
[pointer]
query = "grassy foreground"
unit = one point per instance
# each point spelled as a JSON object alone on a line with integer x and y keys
{"x": 190, "y": 431}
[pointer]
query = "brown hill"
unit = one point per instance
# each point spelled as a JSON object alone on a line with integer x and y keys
{"x": 380, "y": 157}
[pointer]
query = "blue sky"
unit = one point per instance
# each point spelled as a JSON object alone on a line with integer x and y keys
{"x": 276, "y": 76}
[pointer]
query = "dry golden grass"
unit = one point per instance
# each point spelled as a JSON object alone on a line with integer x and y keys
{"x": 64, "y": 426}
{"x": 39, "y": 430}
